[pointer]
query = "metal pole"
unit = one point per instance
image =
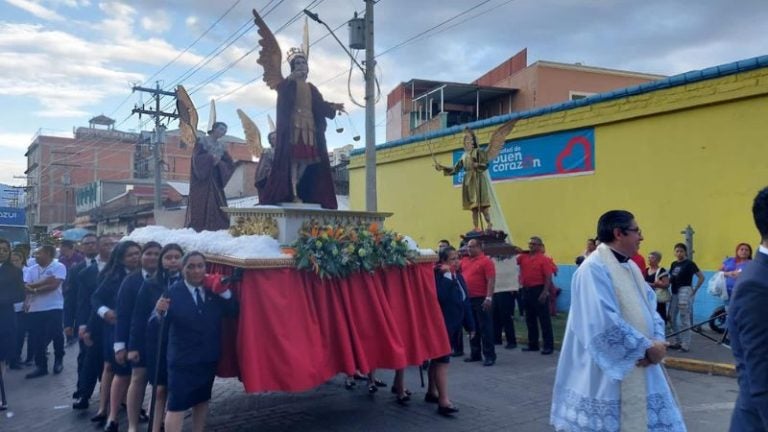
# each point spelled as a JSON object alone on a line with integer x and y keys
{"x": 370, "y": 112}
{"x": 156, "y": 157}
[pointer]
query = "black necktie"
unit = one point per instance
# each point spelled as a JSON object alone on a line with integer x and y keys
{"x": 93, "y": 261}
{"x": 199, "y": 299}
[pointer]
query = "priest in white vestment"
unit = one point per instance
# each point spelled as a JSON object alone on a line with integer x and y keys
{"x": 609, "y": 375}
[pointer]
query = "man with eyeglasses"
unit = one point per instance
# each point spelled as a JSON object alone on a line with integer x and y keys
{"x": 536, "y": 282}
{"x": 610, "y": 375}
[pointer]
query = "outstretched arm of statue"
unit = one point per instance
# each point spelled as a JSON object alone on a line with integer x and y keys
{"x": 450, "y": 170}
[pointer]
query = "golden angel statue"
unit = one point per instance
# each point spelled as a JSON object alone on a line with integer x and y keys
{"x": 211, "y": 169}
{"x": 300, "y": 169}
{"x": 475, "y": 186}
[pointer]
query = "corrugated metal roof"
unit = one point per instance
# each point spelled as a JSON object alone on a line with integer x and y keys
{"x": 673, "y": 81}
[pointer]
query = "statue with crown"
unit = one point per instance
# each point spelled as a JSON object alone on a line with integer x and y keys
{"x": 301, "y": 170}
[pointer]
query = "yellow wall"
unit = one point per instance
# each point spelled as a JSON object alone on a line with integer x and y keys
{"x": 693, "y": 154}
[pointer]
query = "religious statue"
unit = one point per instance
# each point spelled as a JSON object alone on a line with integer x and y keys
{"x": 476, "y": 184}
{"x": 301, "y": 171}
{"x": 211, "y": 168}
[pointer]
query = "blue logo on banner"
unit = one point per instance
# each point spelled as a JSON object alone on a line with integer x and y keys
{"x": 554, "y": 155}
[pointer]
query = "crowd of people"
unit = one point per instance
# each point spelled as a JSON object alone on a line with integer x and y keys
{"x": 150, "y": 314}
{"x": 140, "y": 313}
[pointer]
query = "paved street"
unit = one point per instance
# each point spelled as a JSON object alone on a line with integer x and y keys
{"x": 513, "y": 395}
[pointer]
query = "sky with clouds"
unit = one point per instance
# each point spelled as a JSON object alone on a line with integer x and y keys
{"x": 65, "y": 61}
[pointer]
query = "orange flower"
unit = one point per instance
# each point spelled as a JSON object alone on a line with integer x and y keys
{"x": 315, "y": 231}
{"x": 373, "y": 228}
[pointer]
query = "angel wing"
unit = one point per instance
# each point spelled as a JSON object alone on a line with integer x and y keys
{"x": 252, "y": 134}
{"x": 187, "y": 117}
{"x": 498, "y": 137}
{"x": 270, "y": 56}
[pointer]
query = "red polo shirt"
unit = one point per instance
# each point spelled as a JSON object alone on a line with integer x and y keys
{"x": 535, "y": 269}
{"x": 477, "y": 271}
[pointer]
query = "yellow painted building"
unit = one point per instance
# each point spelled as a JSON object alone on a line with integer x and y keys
{"x": 690, "y": 149}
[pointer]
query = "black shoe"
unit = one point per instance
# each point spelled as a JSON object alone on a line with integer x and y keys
{"x": 403, "y": 400}
{"x": 395, "y": 390}
{"x": 529, "y": 349}
{"x": 111, "y": 427}
{"x": 546, "y": 351}
{"x": 372, "y": 388}
{"x": 15, "y": 365}
{"x": 510, "y": 346}
{"x": 430, "y": 398}
{"x": 447, "y": 410}
{"x": 489, "y": 362}
{"x": 76, "y": 394}
{"x": 81, "y": 404}
{"x": 349, "y": 383}
{"x": 457, "y": 354}
{"x": 674, "y": 346}
{"x": 37, "y": 373}
{"x": 471, "y": 360}
{"x": 57, "y": 367}
{"x": 29, "y": 362}
{"x": 3, "y": 407}
{"x": 379, "y": 383}
{"x": 143, "y": 416}
{"x": 99, "y": 419}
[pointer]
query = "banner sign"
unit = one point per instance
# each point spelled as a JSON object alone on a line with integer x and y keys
{"x": 555, "y": 155}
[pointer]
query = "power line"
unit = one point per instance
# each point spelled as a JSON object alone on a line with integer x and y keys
{"x": 412, "y": 38}
{"x": 194, "y": 42}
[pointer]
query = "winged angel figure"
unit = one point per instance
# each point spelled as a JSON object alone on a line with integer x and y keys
{"x": 211, "y": 169}
{"x": 475, "y": 187}
{"x": 300, "y": 170}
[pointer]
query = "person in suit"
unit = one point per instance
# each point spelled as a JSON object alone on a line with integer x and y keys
{"x": 126, "y": 301}
{"x": 93, "y": 361}
{"x": 144, "y": 333}
{"x": 90, "y": 251}
{"x": 748, "y": 330}
{"x": 124, "y": 261}
{"x": 194, "y": 313}
{"x": 452, "y": 295}
{"x": 11, "y": 292}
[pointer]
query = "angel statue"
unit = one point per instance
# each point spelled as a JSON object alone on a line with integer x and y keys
{"x": 264, "y": 155}
{"x": 475, "y": 186}
{"x": 211, "y": 168}
{"x": 301, "y": 171}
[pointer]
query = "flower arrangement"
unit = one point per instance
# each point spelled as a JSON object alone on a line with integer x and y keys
{"x": 337, "y": 252}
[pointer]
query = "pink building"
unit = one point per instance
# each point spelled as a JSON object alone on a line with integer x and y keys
{"x": 419, "y": 106}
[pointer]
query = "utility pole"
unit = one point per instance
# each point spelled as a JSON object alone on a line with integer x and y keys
{"x": 370, "y": 112}
{"x": 159, "y": 134}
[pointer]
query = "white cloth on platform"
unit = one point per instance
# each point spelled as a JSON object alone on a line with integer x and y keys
{"x": 597, "y": 366}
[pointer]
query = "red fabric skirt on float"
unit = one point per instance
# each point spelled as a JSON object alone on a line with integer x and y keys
{"x": 296, "y": 331}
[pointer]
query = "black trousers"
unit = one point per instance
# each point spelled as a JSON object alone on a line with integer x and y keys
{"x": 46, "y": 327}
{"x": 503, "y": 317}
{"x": 457, "y": 341}
{"x": 22, "y": 332}
{"x": 537, "y": 313}
{"x": 483, "y": 340}
{"x": 89, "y": 372}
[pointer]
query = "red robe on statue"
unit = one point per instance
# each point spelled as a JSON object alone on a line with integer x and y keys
{"x": 316, "y": 185}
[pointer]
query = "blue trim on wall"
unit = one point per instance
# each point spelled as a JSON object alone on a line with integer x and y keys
{"x": 673, "y": 81}
{"x": 702, "y": 306}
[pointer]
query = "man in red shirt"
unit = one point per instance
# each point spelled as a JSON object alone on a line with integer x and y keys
{"x": 480, "y": 275}
{"x": 536, "y": 282}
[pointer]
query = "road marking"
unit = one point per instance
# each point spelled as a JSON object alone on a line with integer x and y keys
{"x": 710, "y": 406}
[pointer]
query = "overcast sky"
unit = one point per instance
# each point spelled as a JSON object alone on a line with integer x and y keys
{"x": 65, "y": 61}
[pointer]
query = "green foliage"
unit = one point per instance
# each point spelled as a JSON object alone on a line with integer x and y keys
{"x": 337, "y": 252}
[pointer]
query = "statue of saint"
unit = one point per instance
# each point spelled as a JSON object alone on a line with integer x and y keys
{"x": 211, "y": 169}
{"x": 301, "y": 171}
{"x": 476, "y": 183}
